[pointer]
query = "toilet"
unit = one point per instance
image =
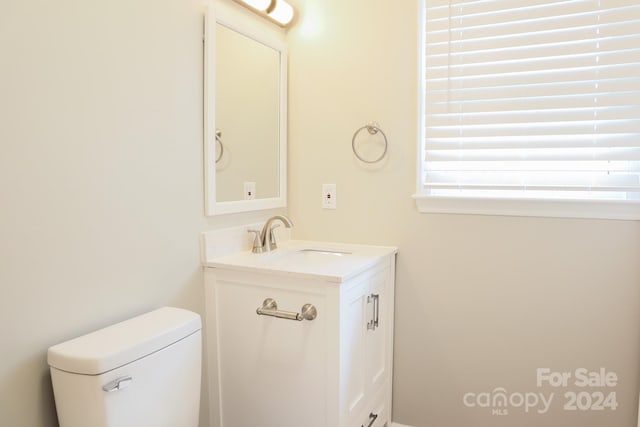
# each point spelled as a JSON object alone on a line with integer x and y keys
{"x": 143, "y": 372}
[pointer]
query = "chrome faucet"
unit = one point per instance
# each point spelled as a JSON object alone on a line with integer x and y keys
{"x": 265, "y": 240}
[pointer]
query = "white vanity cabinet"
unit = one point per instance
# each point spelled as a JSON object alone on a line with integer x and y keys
{"x": 332, "y": 371}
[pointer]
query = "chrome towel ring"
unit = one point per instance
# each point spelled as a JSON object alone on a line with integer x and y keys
{"x": 373, "y": 128}
{"x": 219, "y": 141}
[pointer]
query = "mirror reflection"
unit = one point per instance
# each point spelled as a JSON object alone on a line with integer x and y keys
{"x": 247, "y": 101}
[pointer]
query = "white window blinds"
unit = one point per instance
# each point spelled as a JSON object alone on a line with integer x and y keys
{"x": 533, "y": 99}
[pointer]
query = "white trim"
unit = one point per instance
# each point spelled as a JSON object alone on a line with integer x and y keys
{"x": 398, "y": 425}
{"x": 610, "y": 209}
{"x": 209, "y": 107}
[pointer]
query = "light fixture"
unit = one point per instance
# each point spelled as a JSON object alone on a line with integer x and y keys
{"x": 261, "y": 5}
{"x": 278, "y": 11}
{"x": 281, "y": 11}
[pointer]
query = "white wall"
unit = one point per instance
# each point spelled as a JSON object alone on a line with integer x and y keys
{"x": 100, "y": 178}
{"x": 481, "y": 301}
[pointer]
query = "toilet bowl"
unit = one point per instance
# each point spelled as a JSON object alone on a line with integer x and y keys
{"x": 144, "y": 371}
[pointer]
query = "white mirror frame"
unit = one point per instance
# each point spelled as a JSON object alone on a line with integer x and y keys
{"x": 241, "y": 22}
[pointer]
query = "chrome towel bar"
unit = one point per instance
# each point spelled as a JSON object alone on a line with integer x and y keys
{"x": 270, "y": 308}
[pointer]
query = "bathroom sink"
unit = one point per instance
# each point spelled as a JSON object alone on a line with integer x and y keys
{"x": 333, "y": 261}
{"x": 312, "y": 255}
{"x": 312, "y": 251}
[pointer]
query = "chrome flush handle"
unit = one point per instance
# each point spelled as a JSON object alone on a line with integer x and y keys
{"x": 118, "y": 384}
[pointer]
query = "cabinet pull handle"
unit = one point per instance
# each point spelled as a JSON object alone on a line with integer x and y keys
{"x": 373, "y": 324}
{"x": 373, "y": 417}
{"x": 270, "y": 308}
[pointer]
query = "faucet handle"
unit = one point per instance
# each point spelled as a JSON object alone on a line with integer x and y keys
{"x": 272, "y": 237}
{"x": 257, "y": 242}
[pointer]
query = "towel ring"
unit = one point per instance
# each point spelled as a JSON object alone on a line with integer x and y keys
{"x": 219, "y": 141}
{"x": 373, "y": 128}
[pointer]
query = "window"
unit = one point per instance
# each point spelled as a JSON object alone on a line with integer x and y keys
{"x": 530, "y": 107}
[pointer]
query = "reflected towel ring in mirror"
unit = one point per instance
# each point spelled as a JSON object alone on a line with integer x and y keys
{"x": 219, "y": 141}
{"x": 373, "y": 128}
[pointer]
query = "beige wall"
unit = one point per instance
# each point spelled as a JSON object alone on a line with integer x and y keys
{"x": 481, "y": 301}
{"x": 100, "y": 178}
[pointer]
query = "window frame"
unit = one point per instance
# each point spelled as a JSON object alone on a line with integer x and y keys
{"x": 508, "y": 206}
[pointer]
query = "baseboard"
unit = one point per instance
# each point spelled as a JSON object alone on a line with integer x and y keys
{"x": 398, "y": 425}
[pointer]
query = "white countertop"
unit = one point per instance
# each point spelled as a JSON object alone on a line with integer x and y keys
{"x": 335, "y": 262}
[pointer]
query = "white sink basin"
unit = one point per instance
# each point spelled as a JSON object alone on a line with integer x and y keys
{"x": 333, "y": 261}
{"x": 320, "y": 257}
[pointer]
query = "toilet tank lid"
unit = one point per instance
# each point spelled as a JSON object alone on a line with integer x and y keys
{"x": 124, "y": 342}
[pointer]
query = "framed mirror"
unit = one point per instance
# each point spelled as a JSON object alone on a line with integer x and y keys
{"x": 245, "y": 82}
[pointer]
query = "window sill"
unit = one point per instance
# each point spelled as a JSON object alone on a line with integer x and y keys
{"x": 605, "y": 209}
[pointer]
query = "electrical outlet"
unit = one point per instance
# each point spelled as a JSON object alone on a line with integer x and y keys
{"x": 249, "y": 190}
{"x": 329, "y": 196}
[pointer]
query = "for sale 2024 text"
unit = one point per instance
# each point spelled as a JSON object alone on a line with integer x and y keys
{"x": 598, "y": 400}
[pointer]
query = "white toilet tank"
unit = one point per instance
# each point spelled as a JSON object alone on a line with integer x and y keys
{"x": 143, "y": 372}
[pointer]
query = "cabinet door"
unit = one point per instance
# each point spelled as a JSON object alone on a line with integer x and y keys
{"x": 353, "y": 350}
{"x": 272, "y": 370}
{"x": 378, "y": 318}
{"x": 364, "y": 344}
